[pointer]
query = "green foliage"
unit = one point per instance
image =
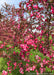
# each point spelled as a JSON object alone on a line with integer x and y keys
{"x": 3, "y": 61}
{"x": 50, "y": 38}
{"x": 32, "y": 57}
{"x": 41, "y": 39}
{"x": 53, "y": 71}
{"x": 0, "y": 41}
{"x": 48, "y": 69}
{"x": 0, "y": 73}
{"x": 8, "y": 46}
{"x": 3, "y": 65}
{"x": 17, "y": 49}
{"x": 52, "y": 47}
{"x": 37, "y": 52}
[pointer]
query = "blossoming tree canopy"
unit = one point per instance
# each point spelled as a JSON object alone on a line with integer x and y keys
{"x": 26, "y": 36}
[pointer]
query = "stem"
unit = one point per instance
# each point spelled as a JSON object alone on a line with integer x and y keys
{"x": 48, "y": 30}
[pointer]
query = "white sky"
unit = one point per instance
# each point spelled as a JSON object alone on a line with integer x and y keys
{"x": 2, "y": 2}
{"x": 15, "y": 2}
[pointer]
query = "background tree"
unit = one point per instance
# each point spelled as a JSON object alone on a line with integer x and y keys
{"x": 18, "y": 28}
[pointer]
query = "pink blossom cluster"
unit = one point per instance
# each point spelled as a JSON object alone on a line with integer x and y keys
{"x": 4, "y": 72}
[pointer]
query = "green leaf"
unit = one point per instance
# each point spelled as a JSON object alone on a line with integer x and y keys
{"x": 52, "y": 47}
{"x": 53, "y": 71}
{"x": 8, "y": 45}
{"x": 17, "y": 50}
{"x": 3, "y": 64}
{"x": 50, "y": 38}
{"x": 48, "y": 69}
{"x": 0, "y": 41}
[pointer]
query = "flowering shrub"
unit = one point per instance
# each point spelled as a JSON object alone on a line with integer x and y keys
{"x": 4, "y": 72}
{"x": 25, "y": 49}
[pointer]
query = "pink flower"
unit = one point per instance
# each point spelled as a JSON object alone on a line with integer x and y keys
{"x": 45, "y": 0}
{"x": 14, "y": 53}
{"x": 35, "y": 41}
{"x": 42, "y": 31}
{"x": 40, "y": 46}
{"x": 21, "y": 70}
{"x": 27, "y": 64}
{"x": 47, "y": 55}
{"x": 51, "y": 41}
{"x": 2, "y": 46}
{"x": 28, "y": 37}
{"x": 44, "y": 60}
{"x": 13, "y": 36}
{"x": 43, "y": 49}
{"x": 8, "y": 63}
{"x": 27, "y": 3}
{"x": 53, "y": 55}
{"x": 18, "y": 26}
{"x": 42, "y": 42}
{"x": 13, "y": 22}
{"x": 52, "y": 9}
{"x": 50, "y": 66}
{"x": 15, "y": 64}
{"x": 41, "y": 64}
{"x": 9, "y": 71}
{"x": 24, "y": 46}
{"x": 29, "y": 7}
{"x": 31, "y": 14}
{"x": 41, "y": 70}
{"x": 33, "y": 68}
{"x": 31, "y": 53}
{"x": 14, "y": 67}
{"x": 27, "y": 53}
{"x": 35, "y": 6}
{"x": 53, "y": 67}
{"x": 37, "y": 72}
{"x": 9, "y": 46}
{"x": 31, "y": 0}
{"x": 27, "y": 69}
{"x": 28, "y": 60}
{"x": 30, "y": 68}
{"x": 37, "y": 57}
{"x": 30, "y": 42}
{"x": 22, "y": 57}
{"x": 4, "y": 72}
{"x": 8, "y": 68}
{"x": 38, "y": 61}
